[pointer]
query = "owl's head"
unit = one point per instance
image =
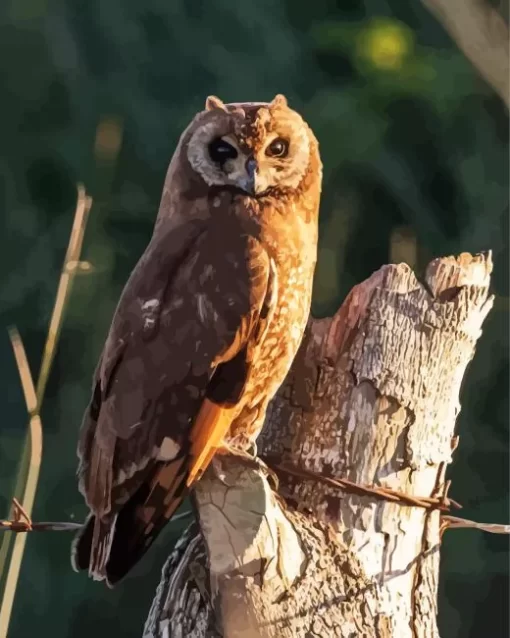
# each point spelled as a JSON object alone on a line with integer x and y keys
{"x": 255, "y": 148}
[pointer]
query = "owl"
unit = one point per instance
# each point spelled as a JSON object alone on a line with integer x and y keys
{"x": 206, "y": 327}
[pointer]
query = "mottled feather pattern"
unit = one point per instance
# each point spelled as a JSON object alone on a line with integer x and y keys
{"x": 136, "y": 414}
{"x": 205, "y": 330}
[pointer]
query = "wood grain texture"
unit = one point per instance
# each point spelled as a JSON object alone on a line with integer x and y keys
{"x": 373, "y": 396}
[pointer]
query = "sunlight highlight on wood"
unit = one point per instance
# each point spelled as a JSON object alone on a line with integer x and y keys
{"x": 364, "y": 427}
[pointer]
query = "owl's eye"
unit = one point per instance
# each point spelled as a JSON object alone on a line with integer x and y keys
{"x": 278, "y": 148}
{"x": 221, "y": 151}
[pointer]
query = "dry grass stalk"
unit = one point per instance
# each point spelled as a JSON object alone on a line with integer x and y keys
{"x": 26, "y": 484}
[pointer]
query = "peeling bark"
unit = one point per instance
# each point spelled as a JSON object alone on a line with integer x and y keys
{"x": 372, "y": 396}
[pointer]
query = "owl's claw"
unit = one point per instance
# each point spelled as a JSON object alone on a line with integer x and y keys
{"x": 218, "y": 471}
{"x": 251, "y": 460}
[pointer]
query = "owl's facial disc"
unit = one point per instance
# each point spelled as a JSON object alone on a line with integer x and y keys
{"x": 217, "y": 156}
{"x": 254, "y": 148}
{"x": 254, "y": 171}
{"x": 239, "y": 168}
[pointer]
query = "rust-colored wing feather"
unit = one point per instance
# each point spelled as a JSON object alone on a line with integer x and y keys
{"x": 171, "y": 376}
{"x": 209, "y": 429}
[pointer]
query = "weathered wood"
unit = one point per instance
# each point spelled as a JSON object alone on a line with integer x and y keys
{"x": 373, "y": 397}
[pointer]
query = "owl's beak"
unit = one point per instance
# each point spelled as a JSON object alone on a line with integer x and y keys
{"x": 251, "y": 176}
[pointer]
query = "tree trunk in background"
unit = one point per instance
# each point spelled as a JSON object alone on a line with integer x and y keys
{"x": 481, "y": 33}
{"x": 372, "y": 397}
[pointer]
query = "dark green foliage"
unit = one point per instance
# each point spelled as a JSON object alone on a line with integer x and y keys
{"x": 411, "y": 138}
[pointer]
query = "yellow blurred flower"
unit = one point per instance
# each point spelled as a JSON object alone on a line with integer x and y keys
{"x": 385, "y": 44}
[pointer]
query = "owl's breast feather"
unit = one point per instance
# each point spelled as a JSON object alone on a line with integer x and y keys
{"x": 278, "y": 347}
{"x": 274, "y": 355}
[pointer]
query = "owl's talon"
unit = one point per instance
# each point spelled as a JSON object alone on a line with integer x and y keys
{"x": 252, "y": 461}
{"x": 218, "y": 471}
{"x": 271, "y": 475}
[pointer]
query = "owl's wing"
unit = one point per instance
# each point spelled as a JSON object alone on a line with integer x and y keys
{"x": 173, "y": 369}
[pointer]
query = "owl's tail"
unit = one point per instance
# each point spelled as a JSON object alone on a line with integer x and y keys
{"x": 108, "y": 548}
{"x": 91, "y": 547}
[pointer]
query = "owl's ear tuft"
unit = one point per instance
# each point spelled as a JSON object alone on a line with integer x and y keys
{"x": 279, "y": 100}
{"x": 213, "y": 102}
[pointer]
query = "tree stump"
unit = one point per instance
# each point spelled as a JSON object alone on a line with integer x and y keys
{"x": 371, "y": 400}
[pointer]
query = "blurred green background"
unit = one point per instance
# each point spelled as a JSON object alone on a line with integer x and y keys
{"x": 415, "y": 149}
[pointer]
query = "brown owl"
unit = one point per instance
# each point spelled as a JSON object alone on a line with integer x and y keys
{"x": 207, "y": 325}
